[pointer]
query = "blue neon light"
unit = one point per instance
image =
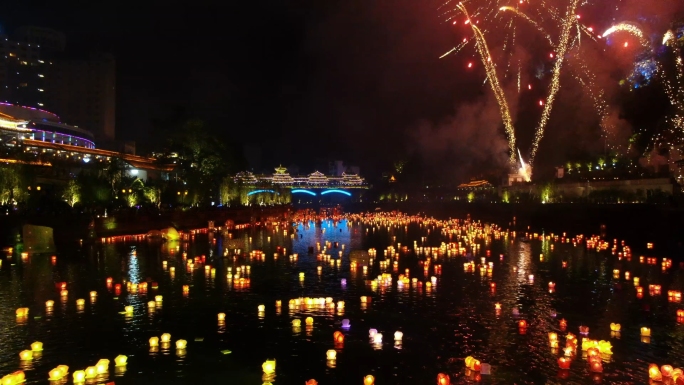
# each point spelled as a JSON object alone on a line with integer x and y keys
{"x": 295, "y": 191}
{"x": 336, "y": 191}
{"x": 259, "y": 191}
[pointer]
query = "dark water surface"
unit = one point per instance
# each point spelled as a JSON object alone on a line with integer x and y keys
{"x": 441, "y": 325}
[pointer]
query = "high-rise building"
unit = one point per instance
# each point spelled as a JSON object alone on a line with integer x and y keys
{"x": 48, "y": 39}
{"x": 83, "y": 92}
{"x": 22, "y": 73}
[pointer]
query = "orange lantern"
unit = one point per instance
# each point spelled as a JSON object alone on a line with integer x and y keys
{"x": 680, "y": 312}
{"x": 368, "y": 380}
{"x": 596, "y": 367}
{"x": 522, "y": 324}
{"x": 654, "y": 373}
{"x": 338, "y": 337}
{"x": 563, "y": 324}
{"x": 666, "y": 370}
{"x": 584, "y": 329}
{"x": 311, "y": 382}
{"x": 564, "y": 363}
{"x": 443, "y": 379}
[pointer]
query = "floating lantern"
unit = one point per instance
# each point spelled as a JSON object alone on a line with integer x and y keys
{"x": 26, "y": 355}
{"x": 364, "y": 299}
{"x": 338, "y": 337}
{"x": 22, "y": 312}
{"x": 645, "y": 332}
{"x": 56, "y": 374}
{"x": 309, "y": 321}
{"x": 372, "y": 333}
{"x": 563, "y": 324}
{"x": 64, "y": 293}
{"x": 49, "y": 304}
{"x": 398, "y": 336}
{"x": 102, "y": 366}
{"x": 564, "y": 363}
{"x": 186, "y": 289}
{"x": 152, "y": 305}
{"x": 154, "y": 342}
{"x": 636, "y": 281}
{"x": 497, "y": 306}
{"x": 269, "y": 366}
{"x": 553, "y": 340}
{"x": 181, "y": 344}
{"x": 331, "y": 354}
{"x": 93, "y": 294}
{"x": 37, "y": 346}
{"x": 296, "y": 322}
{"x": 128, "y": 310}
{"x": 79, "y": 376}
{"x": 443, "y": 379}
{"x": 120, "y": 360}
{"x": 615, "y": 327}
{"x": 221, "y": 317}
{"x": 368, "y": 380}
{"x": 377, "y": 338}
{"x": 596, "y": 367}
{"x": 654, "y": 373}
{"x": 158, "y": 298}
{"x": 91, "y": 372}
{"x": 166, "y": 338}
{"x": 666, "y": 371}
{"x": 552, "y": 285}
{"x": 261, "y": 308}
{"x": 522, "y": 324}
{"x": 584, "y": 330}
{"x": 311, "y": 382}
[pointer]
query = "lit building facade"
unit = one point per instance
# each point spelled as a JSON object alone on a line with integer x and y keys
{"x": 22, "y": 73}
{"x": 18, "y": 123}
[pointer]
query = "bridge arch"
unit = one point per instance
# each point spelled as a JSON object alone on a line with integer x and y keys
{"x": 302, "y": 191}
{"x": 336, "y": 191}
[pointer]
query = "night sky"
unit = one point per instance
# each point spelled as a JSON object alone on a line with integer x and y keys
{"x": 305, "y": 80}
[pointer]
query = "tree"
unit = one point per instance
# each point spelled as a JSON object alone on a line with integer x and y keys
{"x": 11, "y": 184}
{"x": 72, "y": 193}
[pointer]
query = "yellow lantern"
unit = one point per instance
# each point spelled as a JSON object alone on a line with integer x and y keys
{"x": 154, "y": 342}
{"x": 128, "y": 310}
{"x": 37, "y": 346}
{"x": 79, "y": 376}
{"x": 221, "y": 316}
{"x": 22, "y": 312}
{"x": 49, "y": 304}
{"x": 605, "y": 347}
{"x": 398, "y": 336}
{"x": 91, "y": 372}
{"x": 645, "y": 332}
{"x": 80, "y": 302}
{"x": 269, "y": 366}
{"x": 26, "y": 355}
{"x": 93, "y": 294}
{"x": 158, "y": 298}
{"x": 151, "y": 305}
{"x": 296, "y": 322}
{"x": 309, "y": 321}
{"x": 368, "y": 380}
{"x": 120, "y": 360}
{"x": 64, "y": 293}
{"x": 331, "y": 354}
{"x": 615, "y": 327}
{"x": 102, "y": 366}
{"x": 364, "y": 299}
{"x": 166, "y": 338}
{"x": 261, "y": 308}
{"x": 181, "y": 344}
{"x": 55, "y": 374}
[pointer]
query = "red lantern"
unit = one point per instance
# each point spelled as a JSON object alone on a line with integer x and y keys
{"x": 477, "y": 365}
{"x": 522, "y": 324}
{"x": 564, "y": 363}
{"x": 584, "y": 329}
{"x": 563, "y": 324}
{"x": 596, "y": 367}
{"x": 666, "y": 370}
{"x": 443, "y": 379}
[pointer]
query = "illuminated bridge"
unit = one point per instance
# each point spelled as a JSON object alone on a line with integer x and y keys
{"x": 314, "y": 184}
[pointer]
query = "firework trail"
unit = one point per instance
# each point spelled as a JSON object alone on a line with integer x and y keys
{"x": 529, "y": 20}
{"x": 562, "y": 47}
{"x": 630, "y": 28}
{"x": 490, "y": 69}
